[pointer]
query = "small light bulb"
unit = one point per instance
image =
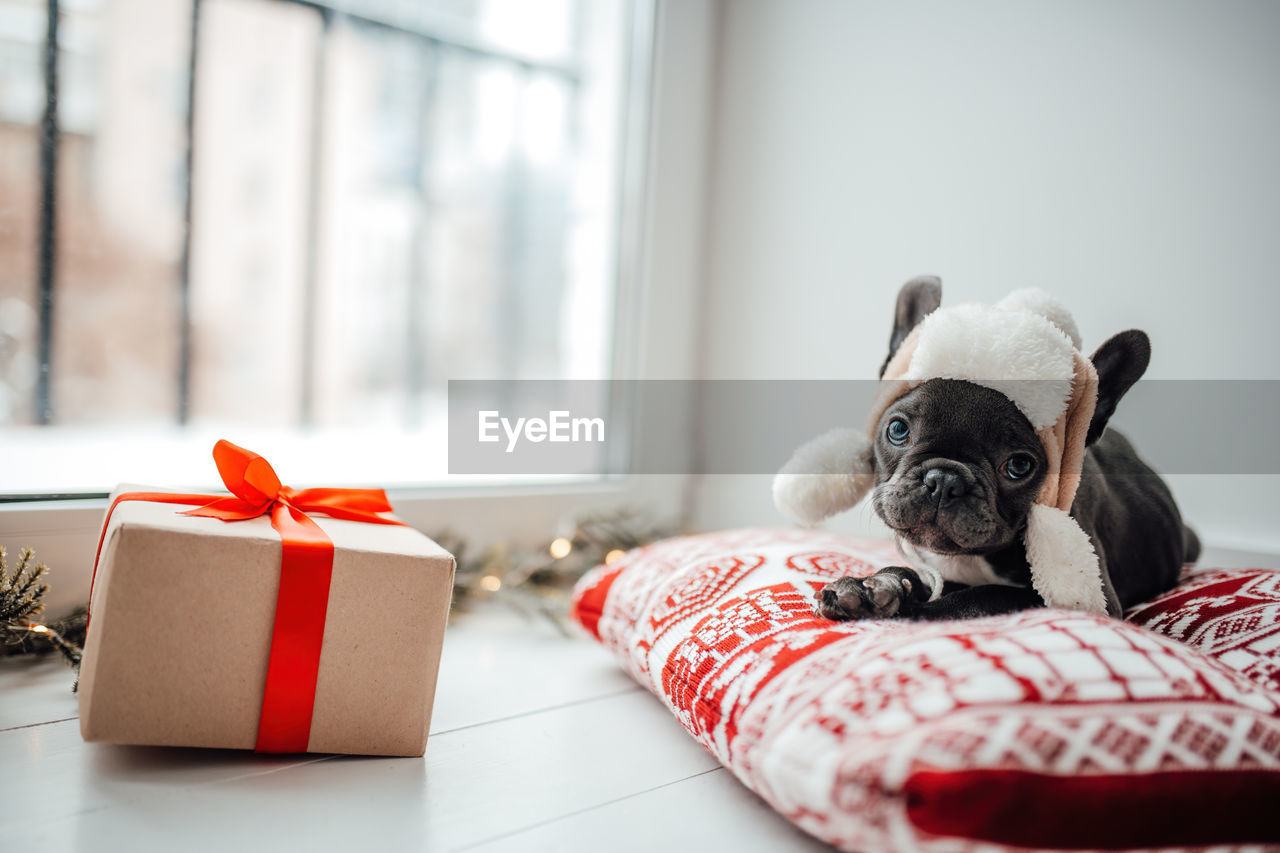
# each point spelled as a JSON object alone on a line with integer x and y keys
{"x": 613, "y": 555}
{"x": 492, "y": 583}
{"x": 561, "y": 548}
{"x": 40, "y": 629}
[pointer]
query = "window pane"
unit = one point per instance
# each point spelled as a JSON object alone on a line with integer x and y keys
{"x": 384, "y": 196}
{"x": 120, "y": 197}
{"x": 249, "y": 213}
{"x": 21, "y": 106}
{"x": 118, "y": 208}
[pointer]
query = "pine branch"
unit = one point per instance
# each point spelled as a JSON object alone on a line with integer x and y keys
{"x": 32, "y": 574}
{"x": 22, "y": 601}
{"x": 20, "y": 598}
{"x": 539, "y": 581}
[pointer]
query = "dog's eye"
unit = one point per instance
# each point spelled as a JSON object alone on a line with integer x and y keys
{"x": 897, "y": 432}
{"x": 1018, "y": 466}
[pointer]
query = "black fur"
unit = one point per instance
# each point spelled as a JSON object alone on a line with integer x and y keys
{"x": 917, "y": 299}
{"x": 943, "y": 490}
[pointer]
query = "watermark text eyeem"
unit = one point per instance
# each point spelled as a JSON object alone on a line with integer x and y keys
{"x": 558, "y": 426}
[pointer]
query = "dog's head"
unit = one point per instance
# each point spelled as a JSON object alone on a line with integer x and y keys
{"x": 957, "y": 465}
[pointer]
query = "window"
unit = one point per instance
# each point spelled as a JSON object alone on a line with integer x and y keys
{"x": 289, "y": 223}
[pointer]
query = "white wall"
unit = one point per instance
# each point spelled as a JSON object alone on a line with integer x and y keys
{"x": 1122, "y": 155}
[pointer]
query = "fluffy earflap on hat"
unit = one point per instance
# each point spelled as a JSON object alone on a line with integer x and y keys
{"x": 1026, "y": 347}
{"x": 1064, "y": 566}
{"x": 827, "y": 475}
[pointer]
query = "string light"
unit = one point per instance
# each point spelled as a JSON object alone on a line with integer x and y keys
{"x": 560, "y": 548}
{"x": 613, "y": 555}
{"x": 491, "y": 583}
{"x": 39, "y": 629}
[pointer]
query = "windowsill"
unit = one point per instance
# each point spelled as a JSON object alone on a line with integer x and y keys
{"x": 66, "y": 462}
{"x": 64, "y": 533}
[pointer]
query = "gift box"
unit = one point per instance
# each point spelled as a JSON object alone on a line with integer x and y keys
{"x": 275, "y": 619}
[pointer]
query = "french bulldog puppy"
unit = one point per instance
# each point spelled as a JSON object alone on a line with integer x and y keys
{"x": 957, "y": 469}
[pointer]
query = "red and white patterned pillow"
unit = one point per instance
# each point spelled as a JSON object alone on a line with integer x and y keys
{"x": 1229, "y": 614}
{"x": 1047, "y": 729}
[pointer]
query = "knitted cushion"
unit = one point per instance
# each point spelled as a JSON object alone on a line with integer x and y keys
{"x": 1049, "y": 728}
{"x": 1229, "y": 614}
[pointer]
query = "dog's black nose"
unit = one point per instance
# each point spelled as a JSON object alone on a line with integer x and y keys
{"x": 944, "y": 485}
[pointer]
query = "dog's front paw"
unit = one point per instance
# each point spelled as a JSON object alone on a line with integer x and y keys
{"x": 883, "y": 595}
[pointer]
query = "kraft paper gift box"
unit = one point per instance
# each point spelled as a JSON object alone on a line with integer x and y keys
{"x": 184, "y": 620}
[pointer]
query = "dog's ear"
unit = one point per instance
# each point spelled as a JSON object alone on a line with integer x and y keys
{"x": 916, "y": 300}
{"x": 1120, "y": 362}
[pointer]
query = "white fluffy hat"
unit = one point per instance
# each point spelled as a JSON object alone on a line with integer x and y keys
{"x": 1027, "y": 347}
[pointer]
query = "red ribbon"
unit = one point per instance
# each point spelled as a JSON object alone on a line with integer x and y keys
{"x": 306, "y": 567}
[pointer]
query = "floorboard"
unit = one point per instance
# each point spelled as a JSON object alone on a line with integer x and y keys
{"x": 538, "y": 742}
{"x": 707, "y": 812}
{"x": 35, "y": 690}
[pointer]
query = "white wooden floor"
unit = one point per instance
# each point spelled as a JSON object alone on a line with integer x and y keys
{"x": 537, "y": 743}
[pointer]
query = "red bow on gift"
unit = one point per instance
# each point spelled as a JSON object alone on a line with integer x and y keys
{"x": 306, "y": 567}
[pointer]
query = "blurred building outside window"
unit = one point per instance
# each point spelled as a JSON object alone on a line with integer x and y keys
{"x": 382, "y": 195}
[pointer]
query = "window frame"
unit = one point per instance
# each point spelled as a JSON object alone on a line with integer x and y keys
{"x": 656, "y": 318}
